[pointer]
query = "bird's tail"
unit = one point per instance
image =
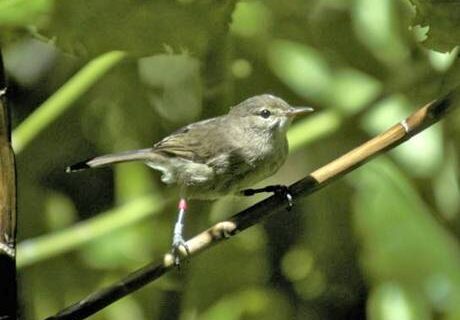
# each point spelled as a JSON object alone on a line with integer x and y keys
{"x": 134, "y": 155}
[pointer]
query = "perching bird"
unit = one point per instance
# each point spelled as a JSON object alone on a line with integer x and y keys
{"x": 219, "y": 156}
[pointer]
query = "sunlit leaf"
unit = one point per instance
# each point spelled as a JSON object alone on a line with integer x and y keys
{"x": 301, "y": 67}
{"x": 251, "y": 19}
{"x": 390, "y": 301}
{"x": 377, "y": 24}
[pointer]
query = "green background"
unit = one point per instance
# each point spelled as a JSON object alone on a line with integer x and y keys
{"x": 89, "y": 77}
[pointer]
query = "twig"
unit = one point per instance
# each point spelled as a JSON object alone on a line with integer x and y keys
{"x": 8, "y": 286}
{"x": 418, "y": 121}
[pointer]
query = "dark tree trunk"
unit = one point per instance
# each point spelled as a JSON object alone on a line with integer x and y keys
{"x": 8, "y": 286}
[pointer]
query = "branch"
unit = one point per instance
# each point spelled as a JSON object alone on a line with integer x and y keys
{"x": 417, "y": 122}
{"x": 8, "y": 286}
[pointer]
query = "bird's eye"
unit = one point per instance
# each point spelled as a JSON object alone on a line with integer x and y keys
{"x": 265, "y": 113}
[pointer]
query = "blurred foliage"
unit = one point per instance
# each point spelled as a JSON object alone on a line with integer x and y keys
{"x": 90, "y": 77}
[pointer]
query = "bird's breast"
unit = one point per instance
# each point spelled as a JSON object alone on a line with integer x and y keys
{"x": 233, "y": 169}
{"x": 264, "y": 160}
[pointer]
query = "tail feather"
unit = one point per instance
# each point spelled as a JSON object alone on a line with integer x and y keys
{"x": 77, "y": 167}
{"x": 135, "y": 155}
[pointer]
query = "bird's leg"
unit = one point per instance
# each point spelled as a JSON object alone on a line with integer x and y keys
{"x": 178, "y": 240}
{"x": 277, "y": 189}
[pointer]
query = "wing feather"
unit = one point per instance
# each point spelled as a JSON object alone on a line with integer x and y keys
{"x": 197, "y": 142}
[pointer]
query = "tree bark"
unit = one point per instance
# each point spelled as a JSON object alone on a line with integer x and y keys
{"x": 8, "y": 285}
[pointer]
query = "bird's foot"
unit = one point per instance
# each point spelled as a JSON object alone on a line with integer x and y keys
{"x": 177, "y": 253}
{"x": 283, "y": 192}
{"x": 278, "y": 189}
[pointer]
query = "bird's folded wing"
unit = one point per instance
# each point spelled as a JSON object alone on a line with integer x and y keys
{"x": 198, "y": 142}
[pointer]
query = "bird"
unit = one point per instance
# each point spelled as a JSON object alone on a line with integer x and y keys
{"x": 219, "y": 156}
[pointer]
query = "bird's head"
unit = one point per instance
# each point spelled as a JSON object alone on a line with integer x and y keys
{"x": 267, "y": 113}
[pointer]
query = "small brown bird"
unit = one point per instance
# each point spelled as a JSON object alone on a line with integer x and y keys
{"x": 219, "y": 156}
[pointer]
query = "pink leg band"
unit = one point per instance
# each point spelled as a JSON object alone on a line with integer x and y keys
{"x": 183, "y": 204}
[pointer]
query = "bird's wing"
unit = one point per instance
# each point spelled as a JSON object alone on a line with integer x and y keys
{"x": 196, "y": 142}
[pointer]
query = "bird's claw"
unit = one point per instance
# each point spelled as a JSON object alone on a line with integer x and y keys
{"x": 176, "y": 252}
{"x": 283, "y": 192}
{"x": 278, "y": 189}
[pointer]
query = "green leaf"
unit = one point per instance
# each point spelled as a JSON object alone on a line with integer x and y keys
{"x": 378, "y": 24}
{"x": 59, "y": 212}
{"x": 15, "y": 13}
{"x": 402, "y": 242}
{"x": 313, "y": 128}
{"x": 443, "y": 18}
{"x": 305, "y": 71}
{"x": 251, "y": 19}
{"x": 301, "y": 67}
{"x": 249, "y": 303}
{"x": 390, "y": 301}
{"x": 173, "y": 86}
{"x": 141, "y": 28}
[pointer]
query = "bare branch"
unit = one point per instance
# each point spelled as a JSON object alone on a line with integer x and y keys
{"x": 418, "y": 121}
{"x": 8, "y": 286}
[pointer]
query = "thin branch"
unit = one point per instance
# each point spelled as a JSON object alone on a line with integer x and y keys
{"x": 417, "y": 122}
{"x": 8, "y": 285}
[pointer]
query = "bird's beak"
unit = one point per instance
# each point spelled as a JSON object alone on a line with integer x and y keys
{"x": 292, "y": 112}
